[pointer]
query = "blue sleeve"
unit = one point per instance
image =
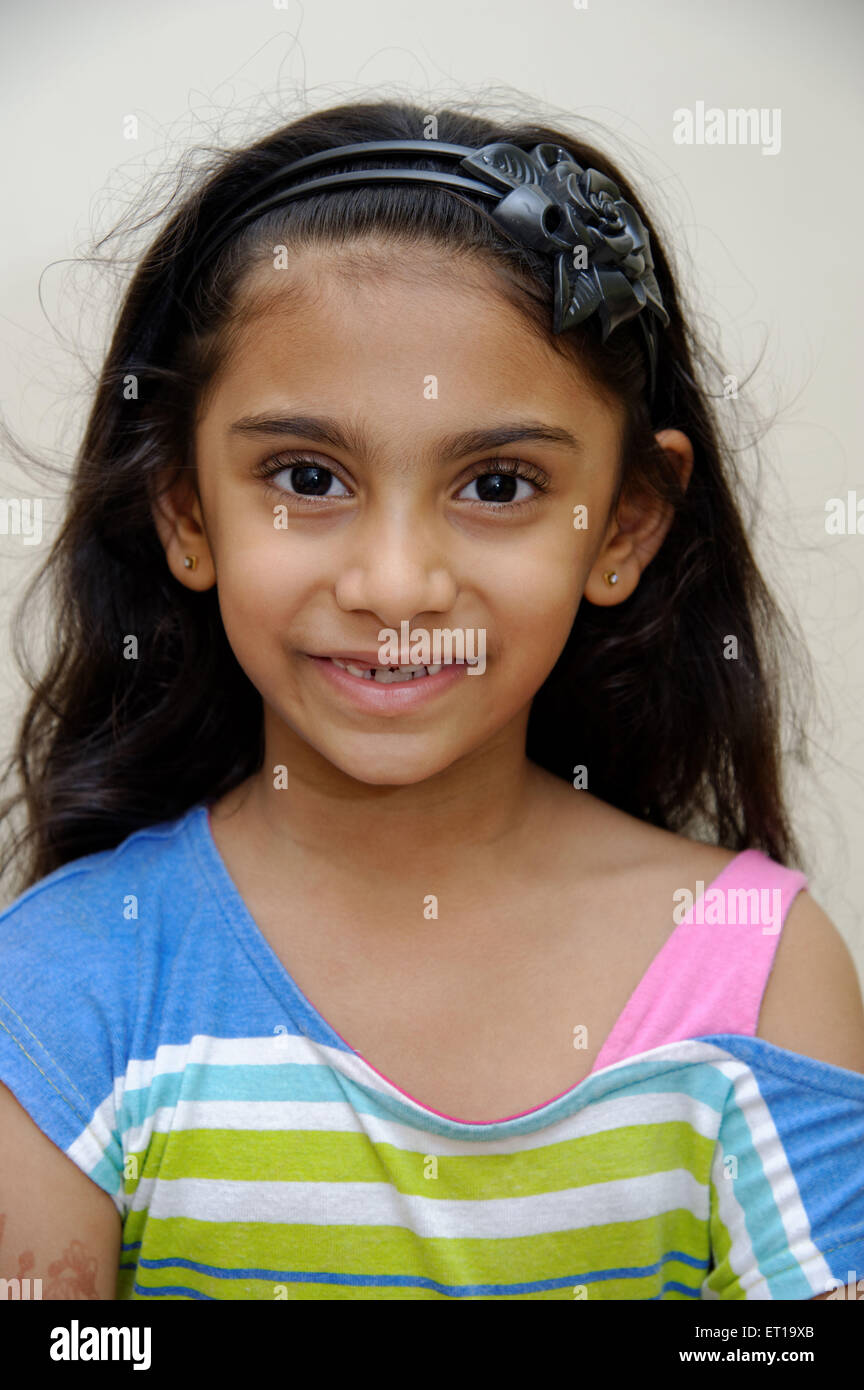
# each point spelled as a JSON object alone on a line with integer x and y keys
{"x": 787, "y": 1182}
{"x": 62, "y": 1030}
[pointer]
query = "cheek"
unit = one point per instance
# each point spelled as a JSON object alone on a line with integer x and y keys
{"x": 534, "y": 592}
{"x": 262, "y": 584}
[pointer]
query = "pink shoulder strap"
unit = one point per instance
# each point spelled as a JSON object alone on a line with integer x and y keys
{"x": 711, "y": 973}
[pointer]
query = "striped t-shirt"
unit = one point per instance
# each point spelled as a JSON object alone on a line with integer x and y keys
{"x": 152, "y": 1033}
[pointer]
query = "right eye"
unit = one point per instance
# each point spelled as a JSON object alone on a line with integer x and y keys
{"x": 306, "y": 478}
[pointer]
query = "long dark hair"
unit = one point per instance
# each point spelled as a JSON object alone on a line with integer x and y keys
{"x": 645, "y": 694}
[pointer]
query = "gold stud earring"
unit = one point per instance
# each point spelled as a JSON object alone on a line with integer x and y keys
{"x": 190, "y": 561}
{"x": 610, "y": 576}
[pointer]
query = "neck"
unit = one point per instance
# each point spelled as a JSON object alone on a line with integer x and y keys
{"x": 481, "y": 809}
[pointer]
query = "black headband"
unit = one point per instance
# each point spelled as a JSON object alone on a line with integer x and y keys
{"x": 543, "y": 199}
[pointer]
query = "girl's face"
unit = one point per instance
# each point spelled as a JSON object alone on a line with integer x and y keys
{"x": 403, "y": 371}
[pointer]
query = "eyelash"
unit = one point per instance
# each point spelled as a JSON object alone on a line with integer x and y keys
{"x": 489, "y": 467}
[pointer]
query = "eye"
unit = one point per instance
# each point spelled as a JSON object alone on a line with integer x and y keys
{"x": 300, "y": 477}
{"x": 498, "y": 481}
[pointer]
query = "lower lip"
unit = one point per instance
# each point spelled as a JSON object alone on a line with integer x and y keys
{"x": 395, "y": 696}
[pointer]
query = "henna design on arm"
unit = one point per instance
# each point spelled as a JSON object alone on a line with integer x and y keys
{"x": 73, "y": 1276}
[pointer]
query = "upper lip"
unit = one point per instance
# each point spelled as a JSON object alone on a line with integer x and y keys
{"x": 360, "y": 658}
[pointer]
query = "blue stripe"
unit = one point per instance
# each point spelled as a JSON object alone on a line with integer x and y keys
{"x": 409, "y": 1281}
{"x": 160, "y": 1291}
{"x": 166, "y": 1290}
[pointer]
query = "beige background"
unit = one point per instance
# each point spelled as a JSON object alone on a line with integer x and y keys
{"x": 769, "y": 245}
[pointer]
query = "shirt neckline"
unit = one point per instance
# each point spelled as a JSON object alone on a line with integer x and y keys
{"x": 230, "y": 900}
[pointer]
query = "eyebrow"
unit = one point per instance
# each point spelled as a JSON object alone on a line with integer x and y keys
{"x": 328, "y": 431}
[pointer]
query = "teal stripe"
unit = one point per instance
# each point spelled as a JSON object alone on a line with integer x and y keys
{"x": 761, "y": 1213}
{"x": 106, "y": 1174}
{"x": 319, "y": 1082}
{"x": 284, "y": 1081}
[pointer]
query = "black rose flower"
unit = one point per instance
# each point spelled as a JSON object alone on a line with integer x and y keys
{"x": 604, "y": 262}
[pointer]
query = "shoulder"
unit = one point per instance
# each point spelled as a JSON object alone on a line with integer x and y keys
{"x": 623, "y": 846}
{"x": 85, "y": 890}
{"x": 93, "y": 924}
{"x": 812, "y": 1003}
{"x": 636, "y": 870}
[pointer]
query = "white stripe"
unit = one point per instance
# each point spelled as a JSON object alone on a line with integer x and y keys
{"x": 169, "y": 1059}
{"x": 91, "y": 1145}
{"x": 379, "y": 1204}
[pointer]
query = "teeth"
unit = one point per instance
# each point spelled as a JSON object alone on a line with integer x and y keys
{"x": 402, "y": 673}
{"x": 383, "y": 675}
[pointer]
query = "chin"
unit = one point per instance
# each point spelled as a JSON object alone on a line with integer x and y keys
{"x": 375, "y": 776}
{"x": 391, "y": 766}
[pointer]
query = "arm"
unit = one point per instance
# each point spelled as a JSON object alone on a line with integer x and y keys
{"x": 812, "y": 1003}
{"x": 55, "y": 1223}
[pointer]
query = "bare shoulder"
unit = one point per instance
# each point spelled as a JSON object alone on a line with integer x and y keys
{"x": 812, "y": 1003}
{"x": 647, "y": 853}
{"x": 633, "y": 868}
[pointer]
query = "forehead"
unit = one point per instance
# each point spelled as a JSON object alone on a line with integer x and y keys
{"x": 364, "y": 325}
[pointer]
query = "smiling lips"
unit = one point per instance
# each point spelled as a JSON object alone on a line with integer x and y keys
{"x": 385, "y": 690}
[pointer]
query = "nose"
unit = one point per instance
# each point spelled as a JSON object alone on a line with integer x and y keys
{"x": 395, "y": 568}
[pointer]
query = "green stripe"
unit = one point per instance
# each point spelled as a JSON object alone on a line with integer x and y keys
{"x": 393, "y": 1250}
{"x": 338, "y": 1157}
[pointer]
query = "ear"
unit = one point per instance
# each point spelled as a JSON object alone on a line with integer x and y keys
{"x": 637, "y": 531}
{"x": 179, "y": 520}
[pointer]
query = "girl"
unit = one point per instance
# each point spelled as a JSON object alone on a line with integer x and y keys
{"x": 405, "y": 621}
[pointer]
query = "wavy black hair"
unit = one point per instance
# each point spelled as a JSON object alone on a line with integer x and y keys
{"x": 644, "y": 693}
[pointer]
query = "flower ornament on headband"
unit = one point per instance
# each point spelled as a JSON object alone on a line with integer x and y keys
{"x": 604, "y": 263}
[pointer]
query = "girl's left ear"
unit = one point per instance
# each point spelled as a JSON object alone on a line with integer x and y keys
{"x": 179, "y": 520}
{"x": 636, "y": 532}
